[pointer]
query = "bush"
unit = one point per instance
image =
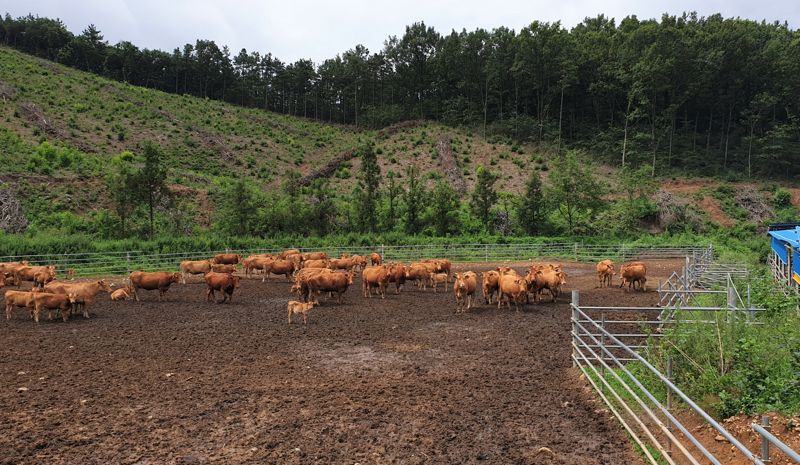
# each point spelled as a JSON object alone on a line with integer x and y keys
{"x": 782, "y": 198}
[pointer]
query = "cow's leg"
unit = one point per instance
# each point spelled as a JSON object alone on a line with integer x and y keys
{"x": 36, "y": 310}
{"x": 135, "y": 294}
{"x": 305, "y": 318}
{"x": 290, "y": 316}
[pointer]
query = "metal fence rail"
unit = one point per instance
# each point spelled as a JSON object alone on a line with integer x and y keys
{"x": 602, "y": 357}
{"x": 121, "y": 263}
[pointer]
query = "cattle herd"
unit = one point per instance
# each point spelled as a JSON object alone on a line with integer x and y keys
{"x": 313, "y": 273}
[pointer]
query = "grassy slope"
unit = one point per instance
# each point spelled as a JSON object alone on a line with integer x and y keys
{"x": 206, "y": 140}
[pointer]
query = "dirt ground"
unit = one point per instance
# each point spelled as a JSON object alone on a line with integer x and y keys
{"x": 371, "y": 381}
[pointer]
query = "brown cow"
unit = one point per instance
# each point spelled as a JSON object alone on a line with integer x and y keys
{"x": 443, "y": 265}
{"x": 328, "y": 281}
{"x": 300, "y": 286}
{"x": 284, "y": 267}
{"x": 546, "y": 279}
{"x": 12, "y": 267}
{"x": 84, "y": 292}
{"x": 491, "y": 285}
{"x": 420, "y": 273}
{"x": 150, "y": 281}
{"x": 19, "y": 299}
{"x": 122, "y": 293}
{"x": 464, "y": 288}
{"x": 315, "y": 256}
{"x": 512, "y": 287}
{"x": 341, "y": 264}
{"x": 28, "y": 273}
{"x": 375, "y": 258}
{"x": 605, "y": 273}
{"x": 223, "y": 268}
{"x": 322, "y": 263}
{"x": 301, "y": 308}
{"x": 223, "y": 282}
{"x": 288, "y": 252}
{"x": 397, "y": 275}
{"x": 8, "y": 279}
{"x": 227, "y": 258}
{"x": 42, "y": 277}
{"x": 633, "y": 273}
{"x": 50, "y": 302}
{"x": 195, "y": 267}
{"x": 436, "y": 279}
{"x": 375, "y": 276}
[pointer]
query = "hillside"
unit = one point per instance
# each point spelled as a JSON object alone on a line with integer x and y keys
{"x": 62, "y": 127}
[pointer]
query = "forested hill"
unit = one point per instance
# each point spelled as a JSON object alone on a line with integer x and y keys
{"x": 683, "y": 94}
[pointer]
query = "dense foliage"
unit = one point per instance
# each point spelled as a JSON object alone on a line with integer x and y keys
{"x": 686, "y": 92}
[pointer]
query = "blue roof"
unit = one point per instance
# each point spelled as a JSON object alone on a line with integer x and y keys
{"x": 789, "y": 236}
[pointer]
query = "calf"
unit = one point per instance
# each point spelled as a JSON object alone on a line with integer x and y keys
{"x": 436, "y": 279}
{"x": 605, "y": 272}
{"x": 491, "y": 285}
{"x": 121, "y": 294}
{"x": 18, "y": 299}
{"x": 633, "y": 273}
{"x": 300, "y": 307}
{"x": 50, "y": 302}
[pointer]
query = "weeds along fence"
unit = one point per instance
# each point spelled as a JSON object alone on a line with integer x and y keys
{"x": 121, "y": 263}
{"x": 611, "y": 346}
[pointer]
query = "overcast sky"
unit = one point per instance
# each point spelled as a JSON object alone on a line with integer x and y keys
{"x": 320, "y": 29}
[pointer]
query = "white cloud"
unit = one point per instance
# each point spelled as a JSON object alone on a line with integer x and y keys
{"x": 320, "y": 29}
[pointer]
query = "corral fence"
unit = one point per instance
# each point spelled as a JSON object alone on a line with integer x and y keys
{"x": 606, "y": 341}
{"x": 122, "y": 263}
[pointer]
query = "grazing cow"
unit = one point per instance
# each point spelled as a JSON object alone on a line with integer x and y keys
{"x": 223, "y": 268}
{"x": 50, "y": 302}
{"x": 513, "y": 288}
{"x": 150, "y": 281}
{"x": 397, "y": 275}
{"x": 195, "y": 267}
{"x": 288, "y": 252}
{"x": 328, "y": 281}
{"x": 84, "y": 292}
{"x": 313, "y": 263}
{"x": 375, "y": 258}
{"x": 464, "y": 289}
{"x": 436, "y": 279}
{"x": 375, "y": 276}
{"x": 605, "y": 273}
{"x": 122, "y": 293}
{"x": 633, "y": 273}
{"x": 223, "y": 282}
{"x": 491, "y": 285}
{"x": 227, "y": 258}
{"x": 315, "y": 256}
{"x": 300, "y": 307}
{"x": 284, "y": 267}
{"x": 19, "y": 299}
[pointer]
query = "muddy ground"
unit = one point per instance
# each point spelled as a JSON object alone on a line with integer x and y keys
{"x": 401, "y": 380}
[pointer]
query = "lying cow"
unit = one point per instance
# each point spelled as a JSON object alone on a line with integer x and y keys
{"x": 151, "y": 281}
{"x": 223, "y": 282}
{"x": 123, "y": 293}
{"x": 302, "y": 308}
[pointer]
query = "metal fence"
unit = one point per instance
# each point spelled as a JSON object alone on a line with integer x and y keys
{"x": 605, "y": 339}
{"x": 121, "y": 263}
{"x": 602, "y": 348}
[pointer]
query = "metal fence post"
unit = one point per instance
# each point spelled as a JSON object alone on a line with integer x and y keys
{"x": 575, "y": 250}
{"x": 764, "y": 440}
{"x": 669, "y": 399}
{"x": 486, "y": 252}
{"x": 602, "y": 344}
{"x": 576, "y": 300}
{"x": 128, "y": 262}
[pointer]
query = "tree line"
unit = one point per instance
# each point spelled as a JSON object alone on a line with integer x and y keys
{"x": 687, "y": 93}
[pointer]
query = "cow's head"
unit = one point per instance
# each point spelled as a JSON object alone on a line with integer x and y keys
{"x": 104, "y": 286}
{"x": 235, "y": 281}
{"x": 175, "y": 278}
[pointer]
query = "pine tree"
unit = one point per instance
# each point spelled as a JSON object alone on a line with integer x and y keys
{"x": 484, "y": 196}
{"x": 530, "y": 208}
{"x": 444, "y": 209}
{"x": 413, "y": 198}
{"x": 151, "y": 180}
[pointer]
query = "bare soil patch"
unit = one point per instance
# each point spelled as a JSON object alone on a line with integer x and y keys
{"x": 372, "y": 381}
